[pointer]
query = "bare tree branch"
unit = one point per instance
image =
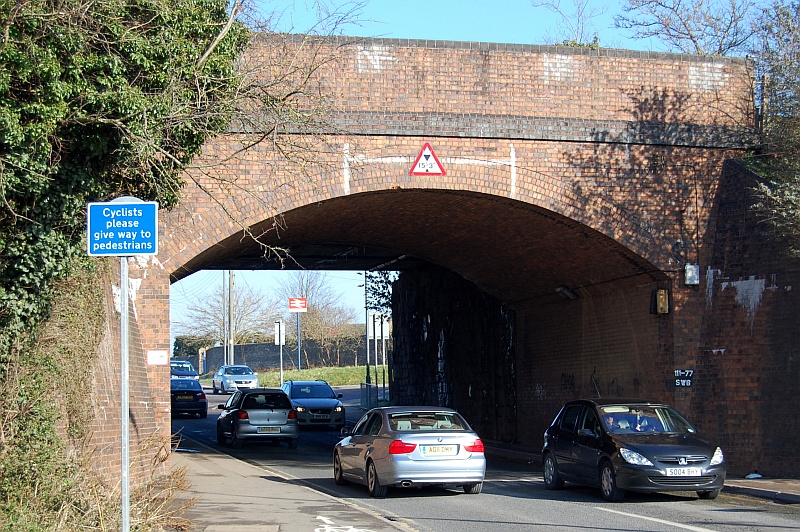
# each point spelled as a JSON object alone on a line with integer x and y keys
{"x": 702, "y": 27}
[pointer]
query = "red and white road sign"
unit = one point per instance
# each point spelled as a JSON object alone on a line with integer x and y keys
{"x": 298, "y": 304}
{"x": 427, "y": 163}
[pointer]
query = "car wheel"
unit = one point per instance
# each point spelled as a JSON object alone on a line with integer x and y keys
{"x": 238, "y": 443}
{"x": 338, "y": 475}
{"x": 552, "y": 480}
{"x": 221, "y": 438}
{"x": 708, "y": 494}
{"x": 293, "y": 443}
{"x": 214, "y": 387}
{"x": 203, "y": 414}
{"x": 373, "y": 484}
{"x": 608, "y": 484}
{"x": 473, "y": 489}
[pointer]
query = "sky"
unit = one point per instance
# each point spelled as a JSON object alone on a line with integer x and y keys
{"x": 502, "y": 21}
{"x": 506, "y": 21}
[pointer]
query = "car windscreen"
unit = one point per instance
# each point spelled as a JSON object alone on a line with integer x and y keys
{"x": 628, "y": 419}
{"x": 239, "y": 370}
{"x": 426, "y": 421}
{"x": 312, "y": 391}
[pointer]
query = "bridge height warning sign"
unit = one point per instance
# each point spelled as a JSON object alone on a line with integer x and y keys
{"x": 427, "y": 164}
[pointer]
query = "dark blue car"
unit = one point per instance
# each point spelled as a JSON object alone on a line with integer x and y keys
{"x": 188, "y": 397}
{"x": 619, "y": 445}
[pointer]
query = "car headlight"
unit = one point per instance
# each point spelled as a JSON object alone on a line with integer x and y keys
{"x": 634, "y": 458}
{"x": 300, "y": 408}
{"x": 339, "y": 409}
{"x": 717, "y": 458}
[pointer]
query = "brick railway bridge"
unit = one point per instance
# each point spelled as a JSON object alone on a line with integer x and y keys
{"x": 577, "y": 186}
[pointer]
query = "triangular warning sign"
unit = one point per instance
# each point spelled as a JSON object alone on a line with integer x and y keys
{"x": 427, "y": 163}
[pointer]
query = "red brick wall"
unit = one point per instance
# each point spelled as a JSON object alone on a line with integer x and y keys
{"x": 149, "y": 427}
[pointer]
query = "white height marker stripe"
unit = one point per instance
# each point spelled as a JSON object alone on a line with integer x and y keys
{"x": 360, "y": 159}
{"x": 513, "y": 171}
{"x": 662, "y": 521}
{"x": 346, "y": 169}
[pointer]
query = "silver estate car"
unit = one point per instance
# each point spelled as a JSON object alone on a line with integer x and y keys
{"x": 234, "y": 377}
{"x": 261, "y": 414}
{"x": 410, "y": 446}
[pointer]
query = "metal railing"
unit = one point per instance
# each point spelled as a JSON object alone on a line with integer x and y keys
{"x": 369, "y": 395}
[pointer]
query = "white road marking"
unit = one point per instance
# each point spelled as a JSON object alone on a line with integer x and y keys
{"x": 662, "y": 521}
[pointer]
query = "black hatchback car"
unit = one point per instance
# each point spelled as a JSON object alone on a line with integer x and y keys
{"x": 620, "y": 444}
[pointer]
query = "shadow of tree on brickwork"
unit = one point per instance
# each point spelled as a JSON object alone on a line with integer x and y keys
{"x": 656, "y": 174}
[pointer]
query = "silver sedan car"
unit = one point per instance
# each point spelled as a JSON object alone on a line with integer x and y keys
{"x": 410, "y": 446}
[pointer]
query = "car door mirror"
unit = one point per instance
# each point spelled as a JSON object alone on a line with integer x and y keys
{"x": 339, "y": 396}
{"x": 345, "y": 431}
{"x": 221, "y": 406}
{"x": 587, "y": 432}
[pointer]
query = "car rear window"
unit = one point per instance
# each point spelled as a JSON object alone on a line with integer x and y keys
{"x": 423, "y": 421}
{"x": 256, "y": 401}
{"x": 185, "y": 384}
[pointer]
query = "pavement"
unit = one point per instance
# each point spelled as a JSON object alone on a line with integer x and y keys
{"x": 232, "y": 495}
{"x": 236, "y": 496}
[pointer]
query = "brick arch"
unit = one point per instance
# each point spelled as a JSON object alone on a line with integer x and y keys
{"x": 612, "y": 187}
{"x": 502, "y": 176}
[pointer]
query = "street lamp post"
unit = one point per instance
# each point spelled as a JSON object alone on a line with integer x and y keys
{"x": 375, "y": 339}
{"x": 366, "y": 325}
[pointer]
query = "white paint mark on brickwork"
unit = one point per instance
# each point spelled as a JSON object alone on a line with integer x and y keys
{"x": 143, "y": 262}
{"x": 748, "y": 293}
{"x": 373, "y": 58}
{"x": 133, "y": 289}
{"x": 513, "y": 171}
{"x": 346, "y": 169}
{"x": 710, "y": 274}
{"x": 558, "y": 68}
{"x": 115, "y": 295}
{"x": 707, "y": 78}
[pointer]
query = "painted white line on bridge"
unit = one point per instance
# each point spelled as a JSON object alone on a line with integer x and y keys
{"x": 662, "y": 521}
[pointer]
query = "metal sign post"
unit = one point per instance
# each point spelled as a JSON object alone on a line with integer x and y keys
{"x": 280, "y": 339}
{"x": 124, "y": 227}
{"x": 298, "y": 305}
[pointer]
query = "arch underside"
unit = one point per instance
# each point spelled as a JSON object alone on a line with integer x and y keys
{"x": 512, "y": 250}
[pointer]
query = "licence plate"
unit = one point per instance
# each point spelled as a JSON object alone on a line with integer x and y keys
{"x": 320, "y": 416}
{"x": 684, "y": 472}
{"x": 438, "y": 450}
{"x": 268, "y": 430}
{"x": 185, "y": 398}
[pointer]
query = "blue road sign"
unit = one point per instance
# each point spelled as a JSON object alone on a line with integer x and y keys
{"x": 122, "y": 228}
